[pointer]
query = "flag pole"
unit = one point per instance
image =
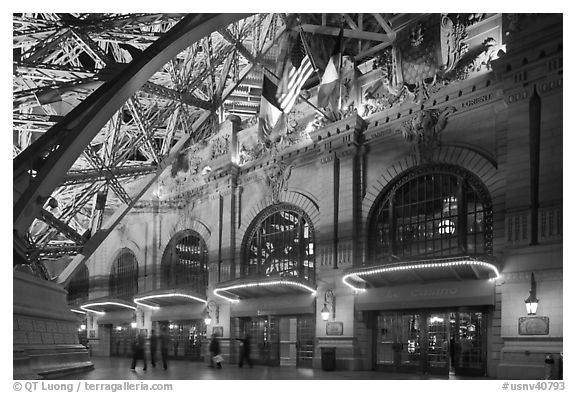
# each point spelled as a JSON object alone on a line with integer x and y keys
{"x": 316, "y": 70}
{"x": 340, "y": 36}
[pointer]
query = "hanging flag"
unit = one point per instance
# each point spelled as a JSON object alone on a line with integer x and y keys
{"x": 296, "y": 72}
{"x": 270, "y": 110}
{"x": 351, "y": 82}
{"x": 331, "y": 76}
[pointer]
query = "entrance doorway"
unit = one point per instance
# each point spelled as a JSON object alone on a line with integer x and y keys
{"x": 432, "y": 342}
{"x": 121, "y": 338}
{"x": 186, "y": 338}
{"x": 280, "y": 340}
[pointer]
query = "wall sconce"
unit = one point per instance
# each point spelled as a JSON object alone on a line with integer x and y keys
{"x": 532, "y": 300}
{"x": 212, "y": 308}
{"x": 329, "y": 305}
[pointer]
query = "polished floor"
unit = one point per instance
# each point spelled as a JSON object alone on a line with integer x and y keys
{"x": 106, "y": 368}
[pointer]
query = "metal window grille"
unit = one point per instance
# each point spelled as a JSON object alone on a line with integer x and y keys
{"x": 124, "y": 277}
{"x": 280, "y": 242}
{"x": 429, "y": 214}
{"x": 186, "y": 262}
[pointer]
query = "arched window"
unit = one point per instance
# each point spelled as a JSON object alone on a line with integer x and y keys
{"x": 185, "y": 262}
{"x": 280, "y": 241}
{"x": 124, "y": 276}
{"x": 79, "y": 287}
{"x": 431, "y": 212}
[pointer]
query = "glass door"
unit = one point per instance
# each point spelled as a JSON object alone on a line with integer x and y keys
{"x": 121, "y": 338}
{"x": 272, "y": 341}
{"x": 305, "y": 343}
{"x": 430, "y": 341}
{"x": 288, "y": 340}
{"x": 388, "y": 342}
{"x": 410, "y": 336}
{"x": 438, "y": 344}
{"x": 470, "y": 343}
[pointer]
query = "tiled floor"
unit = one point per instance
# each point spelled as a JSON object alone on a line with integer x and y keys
{"x": 119, "y": 369}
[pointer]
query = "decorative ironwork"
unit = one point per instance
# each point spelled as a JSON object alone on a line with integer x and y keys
{"x": 280, "y": 241}
{"x": 185, "y": 262}
{"x": 124, "y": 276}
{"x": 435, "y": 210}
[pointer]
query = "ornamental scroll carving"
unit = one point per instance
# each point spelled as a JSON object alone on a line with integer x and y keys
{"x": 277, "y": 176}
{"x": 423, "y": 129}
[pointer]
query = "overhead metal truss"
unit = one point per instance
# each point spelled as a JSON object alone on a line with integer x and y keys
{"x": 102, "y": 104}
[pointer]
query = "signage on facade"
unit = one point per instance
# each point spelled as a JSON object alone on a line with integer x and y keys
{"x": 462, "y": 293}
{"x": 533, "y": 326}
{"x": 334, "y": 328}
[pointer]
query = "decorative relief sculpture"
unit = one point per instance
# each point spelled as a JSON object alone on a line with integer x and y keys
{"x": 220, "y": 147}
{"x": 412, "y": 72}
{"x": 277, "y": 176}
{"x": 423, "y": 128}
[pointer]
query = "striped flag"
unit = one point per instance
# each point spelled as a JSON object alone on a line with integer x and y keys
{"x": 331, "y": 76}
{"x": 270, "y": 110}
{"x": 296, "y": 72}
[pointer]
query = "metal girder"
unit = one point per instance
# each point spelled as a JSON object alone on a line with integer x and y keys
{"x": 334, "y": 31}
{"x": 111, "y": 180}
{"x": 61, "y": 227}
{"x": 174, "y": 95}
{"x": 246, "y": 70}
{"x": 93, "y": 175}
{"x": 241, "y": 48}
{"x": 97, "y": 238}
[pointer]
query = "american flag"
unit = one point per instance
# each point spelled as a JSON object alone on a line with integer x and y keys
{"x": 296, "y": 72}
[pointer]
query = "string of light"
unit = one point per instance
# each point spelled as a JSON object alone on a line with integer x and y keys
{"x": 85, "y": 307}
{"x": 164, "y": 295}
{"x": 415, "y": 266}
{"x": 218, "y": 291}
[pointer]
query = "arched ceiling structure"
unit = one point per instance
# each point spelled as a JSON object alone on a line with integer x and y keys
{"x": 102, "y": 103}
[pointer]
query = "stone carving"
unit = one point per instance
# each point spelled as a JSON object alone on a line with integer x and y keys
{"x": 423, "y": 128}
{"x": 277, "y": 176}
{"x": 220, "y": 147}
{"x": 452, "y": 45}
{"x": 417, "y": 35}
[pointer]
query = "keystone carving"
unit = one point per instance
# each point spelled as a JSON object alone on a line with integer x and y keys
{"x": 423, "y": 128}
{"x": 277, "y": 176}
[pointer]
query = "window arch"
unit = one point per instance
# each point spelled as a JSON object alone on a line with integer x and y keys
{"x": 79, "y": 286}
{"x": 433, "y": 211}
{"x": 124, "y": 276}
{"x": 185, "y": 262}
{"x": 280, "y": 241}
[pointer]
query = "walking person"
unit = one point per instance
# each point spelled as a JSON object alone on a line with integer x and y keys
{"x": 214, "y": 349}
{"x": 153, "y": 347}
{"x": 245, "y": 351}
{"x": 164, "y": 345}
{"x": 139, "y": 350}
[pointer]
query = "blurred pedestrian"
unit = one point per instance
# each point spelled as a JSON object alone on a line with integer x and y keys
{"x": 245, "y": 351}
{"x": 164, "y": 345}
{"x": 214, "y": 348}
{"x": 153, "y": 347}
{"x": 138, "y": 350}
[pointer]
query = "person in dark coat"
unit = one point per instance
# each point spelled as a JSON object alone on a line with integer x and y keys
{"x": 245, "y": 351}
{"x": 138, "y": 350}
{"x": 214, "y": 349}
{"x": 153, "y": 347}
{"x": 164, "y": 345}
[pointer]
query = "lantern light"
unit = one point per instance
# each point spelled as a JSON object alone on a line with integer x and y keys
{"x": 532, "y": 301}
